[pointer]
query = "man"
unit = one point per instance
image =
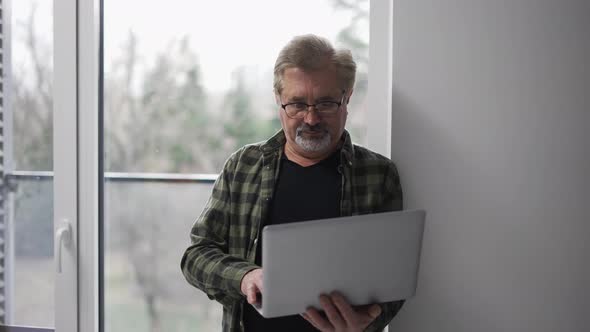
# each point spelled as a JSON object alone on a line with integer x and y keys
{"x": 308, "y": 170}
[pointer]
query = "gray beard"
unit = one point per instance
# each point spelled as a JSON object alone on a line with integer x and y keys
{"x": 312, "y": 144}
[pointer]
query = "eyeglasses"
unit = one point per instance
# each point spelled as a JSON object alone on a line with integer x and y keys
{"x": 298, "y": 110}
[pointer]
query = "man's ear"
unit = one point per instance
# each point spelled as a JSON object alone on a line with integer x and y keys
{"x": 348, "y": 96}
{"x": 277, "y": 98}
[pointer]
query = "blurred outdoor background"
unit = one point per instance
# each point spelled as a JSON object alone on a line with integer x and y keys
{"x": 185, "y": 84}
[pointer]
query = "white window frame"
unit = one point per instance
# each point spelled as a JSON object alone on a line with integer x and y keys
{"x": 76, "y": 180}
{"x": 65, "y": 162}
{"x": 89, "y": 30}
{"x": 76, "y": 142}
{"x": 380, "y": 89}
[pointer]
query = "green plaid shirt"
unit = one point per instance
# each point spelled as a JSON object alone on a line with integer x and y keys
{"x": 225, "y": 235}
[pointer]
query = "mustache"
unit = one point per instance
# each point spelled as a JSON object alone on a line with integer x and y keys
{"x": 305, "y": 127}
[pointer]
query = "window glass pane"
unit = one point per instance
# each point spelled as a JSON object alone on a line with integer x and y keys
{"x": 34, "y": 266}
{"x": 147, "y": 225}
{"x": 186, "y": 84}
{"x": 32, "y": 80}
{"x": 28, "y": 193}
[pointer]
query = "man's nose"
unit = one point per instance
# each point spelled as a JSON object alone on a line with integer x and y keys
{"x": 311, "y": 118}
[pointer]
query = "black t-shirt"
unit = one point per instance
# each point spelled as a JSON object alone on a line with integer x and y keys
{"x": 301, "y": 193}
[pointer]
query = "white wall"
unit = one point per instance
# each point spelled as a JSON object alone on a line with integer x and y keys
{"x": 491, "y": 133}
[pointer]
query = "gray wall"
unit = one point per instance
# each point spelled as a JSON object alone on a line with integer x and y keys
{"x": 491, "y": 133}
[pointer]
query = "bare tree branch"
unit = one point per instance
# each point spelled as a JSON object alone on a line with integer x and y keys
{"x": 39, "y": 69}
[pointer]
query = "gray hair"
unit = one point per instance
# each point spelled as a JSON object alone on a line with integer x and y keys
{"x": 310, "y": 53}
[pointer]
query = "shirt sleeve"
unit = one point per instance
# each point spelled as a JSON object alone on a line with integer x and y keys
{"x": 392, "y": 191}
{"x": 388, "y": 311}
{"x": 206, "y": 263}
{"x": 392, "y": 201}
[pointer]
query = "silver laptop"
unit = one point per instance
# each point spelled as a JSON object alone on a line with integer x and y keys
{"x": 369, "y": 259}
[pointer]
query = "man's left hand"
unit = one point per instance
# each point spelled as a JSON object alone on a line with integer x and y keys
{"x": 341, "y": 316}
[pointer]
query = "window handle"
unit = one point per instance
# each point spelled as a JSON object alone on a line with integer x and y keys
{"x": 63, "y": 237}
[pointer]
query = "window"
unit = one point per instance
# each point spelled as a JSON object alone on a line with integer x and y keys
{"x": 27, "y": 189}
{"x": 184, "y": 88}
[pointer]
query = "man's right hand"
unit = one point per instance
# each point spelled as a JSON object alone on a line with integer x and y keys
{"x": 252, "y": 285}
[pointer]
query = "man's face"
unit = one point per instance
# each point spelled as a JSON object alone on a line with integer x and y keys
{"x": 314, "y": 135}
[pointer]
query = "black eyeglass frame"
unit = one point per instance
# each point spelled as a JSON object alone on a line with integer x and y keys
{"x": 307, "y": 106}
